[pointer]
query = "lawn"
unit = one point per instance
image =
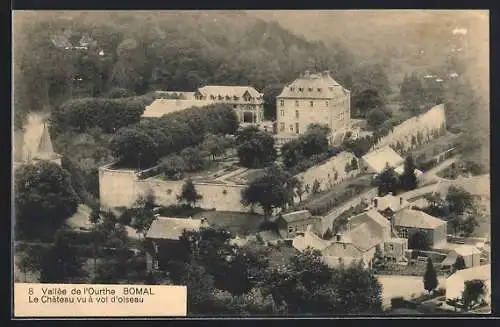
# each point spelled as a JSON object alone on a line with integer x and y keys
{"x": 238, "y": 223}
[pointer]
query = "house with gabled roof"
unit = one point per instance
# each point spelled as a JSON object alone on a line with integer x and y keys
{"x": 389, "y": 204}
{"x": 292, "y": 223}
{"x": 163, "y": 238}
{"x": 409, "y": 221}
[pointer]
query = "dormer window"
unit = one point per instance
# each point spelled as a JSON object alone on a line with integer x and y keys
{"x": 292, "y": 89}
{"x": 235, "y": 97}
{"x": 228, "y": 97}
{"x": 221, "y": 97}
{"x": 212, "y": 97}
{"x": 319, "y": 89}
{"x": 310, "y": 89}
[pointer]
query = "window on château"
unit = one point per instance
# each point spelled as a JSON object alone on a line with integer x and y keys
{"x": 319, "y": 89}
{"x": 300, "y": 89}
{"x": 282, "y": 127}
{"x": 326, "y": 103}
{"x": 404, "y": 233}
{"x": 282, "y": 103}
{"x": 292, "y": 89}
{"x": 310, "y": 89}
{"x": 296, "y": 103}
{"x": 291, "y": 128}
{"x": 297, "y": 114}
{"x": 297, "y": 128}
{"x": 282, "y": 112}
{"x": 311, "y": 103}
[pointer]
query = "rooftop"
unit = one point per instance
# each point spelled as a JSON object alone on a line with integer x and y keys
{"x": 172, "y": 228}
{"x": 389, "y": 201}
{"x": 379, "y": 159}
{"x": 309, "y": 239}
{"x": 478, "y": 272}
{"x": 229, "y": 90}
{"x": 466, "y": 250}
{"x": 370, "y": 216}
{"x": 417, "y": 219}
{"x": 313, "y": 86}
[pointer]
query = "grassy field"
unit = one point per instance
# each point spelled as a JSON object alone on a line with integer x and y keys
{"x": 237, "y": 223}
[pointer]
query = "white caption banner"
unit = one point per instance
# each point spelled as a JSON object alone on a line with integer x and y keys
{"x": 87, "y": 300}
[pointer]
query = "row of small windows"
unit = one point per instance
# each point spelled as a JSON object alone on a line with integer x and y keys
{"x": 302, "y": 89}
{"x": 227, "y": 97}
{"x": 311, "y": 103}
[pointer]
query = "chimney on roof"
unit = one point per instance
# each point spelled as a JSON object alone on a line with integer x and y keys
{"x": 338, "y": 237}
{"x": 400, "y": 200}
{"x": 326, "y": 73}
{"x": 307, "y": 74}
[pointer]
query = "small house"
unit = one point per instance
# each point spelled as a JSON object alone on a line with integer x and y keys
{"x": 290, "y": 224}
{"x": 395, "y": 248}
{"x": 164, "y": 236}
{"x": 408, "y": 222}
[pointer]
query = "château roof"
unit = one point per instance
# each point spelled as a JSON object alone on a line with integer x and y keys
{"x": 228, "y": 90}
{"x": 314, "y": 86}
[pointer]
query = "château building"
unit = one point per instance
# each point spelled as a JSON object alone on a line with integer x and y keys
{"x": 312, "y": 98}
{"x": 247, "y": 102}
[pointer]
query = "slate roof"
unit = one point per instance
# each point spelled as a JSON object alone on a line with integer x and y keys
{"x": 314, "y": 86}
{"x": 172, "y": 228}
{"x": 228, "y": 90}
{"x": 390, "y": 201}
{"x": 416, "y": 219}
{"x": 343, "y": 250}
{"x": 378, "y": 159}
{"x": 309, "y": 239}
{"x": 365, "y": 236}
{"x": 370, "y": 216}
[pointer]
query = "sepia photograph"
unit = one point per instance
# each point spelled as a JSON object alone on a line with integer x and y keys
{"x": 251, "y": 163}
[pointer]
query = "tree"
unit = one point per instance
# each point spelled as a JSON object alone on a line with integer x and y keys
{"x": 354, "y": 164}
{"x": 44, "y": 199}
{"x": 367, "y": 100}
{"x": 387, "y": 182}
{"x": 459, "y": 200}
{"x": 194, "y": 159}
{"x": 418, "y": 241}
{"x": 269, "y": 191}
{"x": 468, "y": 225}
{"x": 30, "y": 260}
{"x": 173, "y": 166}
{"x": 316, "y": 187}
{"x": 118, "y": 92}
{"x": 376, "y": 117}
{"x": 215, "y": 145}
{"x": 314, "y": 140}
{"x": 378, "y": 257}
{"x": 299, "y": 189}
{"x": 134, "y": 148}
{"x": 408, "y": 180}
{"x": 474, "y": 292}
{"x": 257, "y": 150}
{"x": 430, "y": 277}
{"x": 459, "y": 263}
{"x": 189, "y": 193}
{"x": 62, "y": 262}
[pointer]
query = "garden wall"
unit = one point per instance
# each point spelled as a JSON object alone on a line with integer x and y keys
{"x": 329, "y": 173}
{"x": 123, "y": 187}
{"x": 426, "y": 125}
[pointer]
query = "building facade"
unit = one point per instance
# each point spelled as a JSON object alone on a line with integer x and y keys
{"x": 246, "y": 101}
{"x": 313, "y": 99}
{"x": 290, "y": 224}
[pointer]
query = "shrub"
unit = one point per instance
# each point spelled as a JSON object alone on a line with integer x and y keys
{"x": 398, "y": 302}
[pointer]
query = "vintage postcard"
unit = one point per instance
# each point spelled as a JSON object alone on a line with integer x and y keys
{"x": 251, "y": 163}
